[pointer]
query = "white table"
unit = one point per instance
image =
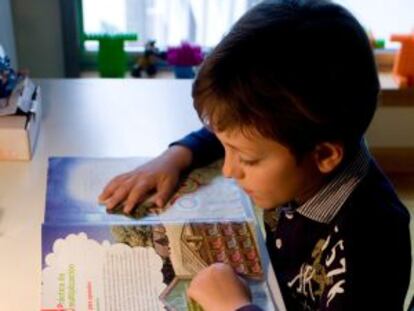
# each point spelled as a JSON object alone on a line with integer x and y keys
{"x": 92, "y": 118}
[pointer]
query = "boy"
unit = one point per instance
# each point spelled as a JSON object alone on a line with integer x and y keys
{"x": 287, "y": 96}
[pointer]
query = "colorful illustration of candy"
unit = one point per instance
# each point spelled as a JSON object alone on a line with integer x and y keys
{"x": 213, "y": 230}
{"x": 227, "y": 229}
{"x": 242, "y": 229}
{"x": 251, "y": 254}
{"x": 221, "y": 256}
{"x": 236, "y": 256}
{"x": 255, "y": 268}
{"x": 217, "y": 243}
{"x": 247, "y": 243}
{"x": 241, "y": 268}
{"x": 227, "y": 242}
{"x": 231, "y": 243}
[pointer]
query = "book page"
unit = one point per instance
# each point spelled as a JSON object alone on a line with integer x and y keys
{"x": 83, "y": 274}
{"x": 148, "y": 267}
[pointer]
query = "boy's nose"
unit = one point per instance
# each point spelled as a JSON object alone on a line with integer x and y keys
{"x": 231, "y": 169}
{"x": 225, "y": 170}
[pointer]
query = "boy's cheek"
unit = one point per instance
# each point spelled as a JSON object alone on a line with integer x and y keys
{"x": 264, "y": 203}
{"x": 273, "y": 197}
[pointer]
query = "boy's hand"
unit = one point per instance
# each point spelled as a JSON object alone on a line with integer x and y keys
{"x": 159, "y": 177}
{"x": 218, "y": 288}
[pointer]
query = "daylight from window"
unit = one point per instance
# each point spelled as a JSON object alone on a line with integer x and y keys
{"x": 167, "y": 21}
{"x": 205, "y": 22}
{"x": 383, "y": 17}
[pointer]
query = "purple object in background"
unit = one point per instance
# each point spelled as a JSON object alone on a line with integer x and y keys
{"x": 185, "y": 55}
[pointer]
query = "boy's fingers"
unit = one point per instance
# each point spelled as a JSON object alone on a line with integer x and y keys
{"x": 104, "y": 196}
{"x": 111, "y": 187}
{"x": 164, "y": 193}
{"x": 118, "y": 196}
{"x": 136, "y": 195}
{"x": 106, "y": 193}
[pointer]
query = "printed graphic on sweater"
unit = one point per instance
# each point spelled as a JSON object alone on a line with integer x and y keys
{"x": 320, "y": 281}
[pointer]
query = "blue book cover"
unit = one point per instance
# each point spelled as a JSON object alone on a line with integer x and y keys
{"x": 73, "y": 185}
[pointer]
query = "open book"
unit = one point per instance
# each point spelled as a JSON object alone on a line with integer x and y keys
{"x": 95, "y": 260}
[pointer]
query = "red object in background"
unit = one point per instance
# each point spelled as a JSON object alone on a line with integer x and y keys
{"x": 404, "y": 63}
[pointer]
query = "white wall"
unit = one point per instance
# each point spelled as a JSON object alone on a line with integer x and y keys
{"x": 6, "y": 31}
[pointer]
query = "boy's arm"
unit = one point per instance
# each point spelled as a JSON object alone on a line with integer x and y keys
{"x": 204, "y": 145}
{"x": 161, "y": 174}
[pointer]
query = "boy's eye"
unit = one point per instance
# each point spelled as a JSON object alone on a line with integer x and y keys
{"x": 248, "y": 162}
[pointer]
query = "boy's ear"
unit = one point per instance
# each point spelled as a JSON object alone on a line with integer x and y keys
{"x": 328, "y": 156}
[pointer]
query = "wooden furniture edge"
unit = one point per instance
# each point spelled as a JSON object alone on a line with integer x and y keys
{"x": 395, "y": 160}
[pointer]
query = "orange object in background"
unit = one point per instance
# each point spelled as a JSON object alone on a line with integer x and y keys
{"x": 404, "y": 63}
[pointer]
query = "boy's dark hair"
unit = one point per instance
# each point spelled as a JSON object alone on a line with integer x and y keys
{"x": 299, "y": 72}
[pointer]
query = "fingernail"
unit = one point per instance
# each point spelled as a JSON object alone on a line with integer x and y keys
{"x": 159, "y": 203}
{"x": 109, "y": 204}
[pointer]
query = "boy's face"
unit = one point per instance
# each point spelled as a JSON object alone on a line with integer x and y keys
{"x": 267, "y": 170}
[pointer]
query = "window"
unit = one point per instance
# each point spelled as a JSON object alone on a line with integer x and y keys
{"x": 206, "y": 21}
{"x": 167, "y": 21}
{"x": 203, "y": 22}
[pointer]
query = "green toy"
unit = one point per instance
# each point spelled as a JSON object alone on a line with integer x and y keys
{"x": 112, "y": 61}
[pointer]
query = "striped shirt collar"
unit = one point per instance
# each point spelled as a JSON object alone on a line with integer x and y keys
{"x": 327, "y": 202}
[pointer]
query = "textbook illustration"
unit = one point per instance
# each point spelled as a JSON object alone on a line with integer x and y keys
{"x": 95, "y": 260}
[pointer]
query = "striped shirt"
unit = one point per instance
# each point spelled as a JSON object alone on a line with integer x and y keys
{"x": 326, "y": 203}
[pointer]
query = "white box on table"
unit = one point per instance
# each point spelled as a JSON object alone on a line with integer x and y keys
{"x": 18, "y": 133}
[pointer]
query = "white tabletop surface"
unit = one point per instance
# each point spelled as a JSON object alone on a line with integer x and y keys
{"x": 91, "y": 118}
